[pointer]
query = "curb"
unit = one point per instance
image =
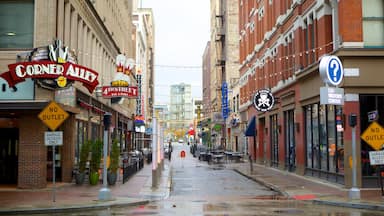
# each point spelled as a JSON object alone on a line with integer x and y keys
{"x": 350, "y": 205}
{"x": 62, "y": 209}
{"x": 266, "y": 184}
{"x": 355, "y": 205}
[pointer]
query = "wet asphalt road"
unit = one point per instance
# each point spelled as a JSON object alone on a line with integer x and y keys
{"x": 202, "y": 189}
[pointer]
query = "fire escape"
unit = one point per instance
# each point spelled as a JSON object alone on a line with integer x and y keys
{"x": 220, "y": 51}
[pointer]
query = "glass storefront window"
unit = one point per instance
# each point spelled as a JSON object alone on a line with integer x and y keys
{"x": 17, "y": 24}
{"x": 308, "y": 124}
{"x": 274, "y": 141}
{"x": 324, "y": 139}
{"x": 315, "y": 137}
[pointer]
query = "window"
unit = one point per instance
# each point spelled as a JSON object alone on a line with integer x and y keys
{"x": 324, "y": 141}
{"x": 17, "y": 24}
{"x": 373, "y": 23}
{"x": 290, "y": 146}
{"x": 274, "y": 130}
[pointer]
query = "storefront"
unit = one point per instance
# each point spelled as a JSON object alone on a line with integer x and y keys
{"x": 27, "y": 88}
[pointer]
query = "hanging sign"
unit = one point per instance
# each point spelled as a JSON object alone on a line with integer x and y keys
{"x": 53, "y": 67}
{"x": 331, "y": 70}
{"x": 263, "y": 100}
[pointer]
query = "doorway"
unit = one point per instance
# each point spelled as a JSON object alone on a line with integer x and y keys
{"x": 9, "y": 139}
{"x": 290, "y": 146}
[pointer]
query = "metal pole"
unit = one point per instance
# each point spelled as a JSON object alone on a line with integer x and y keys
{"x": 105, "y": 193}
{"x": 154, "y": 153}
{"x": 354, "y": 192}
{"x": 53, "y": 174}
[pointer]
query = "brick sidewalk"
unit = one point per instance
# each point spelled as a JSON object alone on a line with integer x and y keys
{"x": 308, "y": 188}
{"x": 138, "y": 190}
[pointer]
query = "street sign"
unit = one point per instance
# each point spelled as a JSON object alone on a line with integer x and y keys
{"x": 374, "y": 136}
{"x": 331, "y": 95}
{"x": 376, "y": 157}
{"x": 53, "y": 115}
{"x": 182, "y": 154}
{"x": 331, "y": 70}
{"x": 53, "y": 138}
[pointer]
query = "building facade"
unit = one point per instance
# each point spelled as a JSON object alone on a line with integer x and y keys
{"x": 90, "y": 34}
{"x": 180, "y": 108}
{"x": 144, "y": 34}
{"x": 224, "y": 73}
{"x": 281, "y": 46}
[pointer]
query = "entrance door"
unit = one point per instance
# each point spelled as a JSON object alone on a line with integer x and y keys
{"x": 290, "y": 146}
{"x": 9, "y": 139}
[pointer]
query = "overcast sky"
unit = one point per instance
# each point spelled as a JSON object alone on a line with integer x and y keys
{"x": 182, "y": 30}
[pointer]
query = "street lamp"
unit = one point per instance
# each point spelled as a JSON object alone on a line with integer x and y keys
{"x": 105, "y": 193}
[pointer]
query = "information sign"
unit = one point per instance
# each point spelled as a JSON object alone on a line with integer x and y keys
{"x": 376, "y": 157}
{"x": 53, "y": 138}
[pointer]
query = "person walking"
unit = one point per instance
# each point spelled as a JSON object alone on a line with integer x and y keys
{"x": 169, "y": 150}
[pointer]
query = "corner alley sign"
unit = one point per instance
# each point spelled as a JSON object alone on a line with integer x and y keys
{"x": 51, "y": 70}
{"x": 53, "y": 62}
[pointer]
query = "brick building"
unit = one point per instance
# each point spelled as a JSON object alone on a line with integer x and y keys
{"x": 93, "y": 33}
{"x": 281, "y": 46}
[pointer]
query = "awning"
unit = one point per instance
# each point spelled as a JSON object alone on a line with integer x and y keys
{"x": 251, "y": 127}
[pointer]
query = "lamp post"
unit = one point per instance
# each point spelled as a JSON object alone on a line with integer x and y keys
{"x": 105, "y": 193}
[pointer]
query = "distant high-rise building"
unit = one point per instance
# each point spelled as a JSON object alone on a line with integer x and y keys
{"x": 181, "y": 107}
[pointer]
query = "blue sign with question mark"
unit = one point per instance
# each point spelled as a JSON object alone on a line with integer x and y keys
{"x": 331, "y": 70}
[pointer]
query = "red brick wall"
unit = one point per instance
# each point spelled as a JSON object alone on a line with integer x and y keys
{"x": 32, "y": 171}
{"x": 350, "y": 20}
{"x": 68, "y": 148}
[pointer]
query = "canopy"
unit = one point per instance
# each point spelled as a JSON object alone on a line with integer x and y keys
{"x": 251, "y": 127}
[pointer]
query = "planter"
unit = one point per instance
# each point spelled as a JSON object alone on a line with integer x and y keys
{"x": 80, "y": 177}
{"x": 94, "y": 178}
{"x": 112, "y": 178}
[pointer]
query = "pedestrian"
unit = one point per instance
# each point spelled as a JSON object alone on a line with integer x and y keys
{"x": 169, "y": 150}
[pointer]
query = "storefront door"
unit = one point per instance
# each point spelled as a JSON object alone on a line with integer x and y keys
{"x": 9, "y": 139}
{"x": 290, "y": 146}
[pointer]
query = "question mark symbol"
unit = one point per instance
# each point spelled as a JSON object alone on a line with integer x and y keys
{"x": 335, "y": 68}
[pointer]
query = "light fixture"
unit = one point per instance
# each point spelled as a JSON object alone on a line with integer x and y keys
{"x": 11, "y": 33}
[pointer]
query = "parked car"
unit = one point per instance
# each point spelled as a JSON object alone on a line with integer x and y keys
{"x": 181, "y": 141}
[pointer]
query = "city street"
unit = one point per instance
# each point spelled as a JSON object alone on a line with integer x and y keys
{"x": 202, "y": 189}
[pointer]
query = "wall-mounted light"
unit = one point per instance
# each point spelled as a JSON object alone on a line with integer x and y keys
{"x": 11, "y": 33}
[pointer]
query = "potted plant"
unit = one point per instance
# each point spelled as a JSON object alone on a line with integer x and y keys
{"x": 114, "y": 163}
{"x": 97, "y": 147}
{"x": 84, "y": 151}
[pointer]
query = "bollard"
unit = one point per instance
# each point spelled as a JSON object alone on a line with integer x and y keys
{"x": 250, "y": 163}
